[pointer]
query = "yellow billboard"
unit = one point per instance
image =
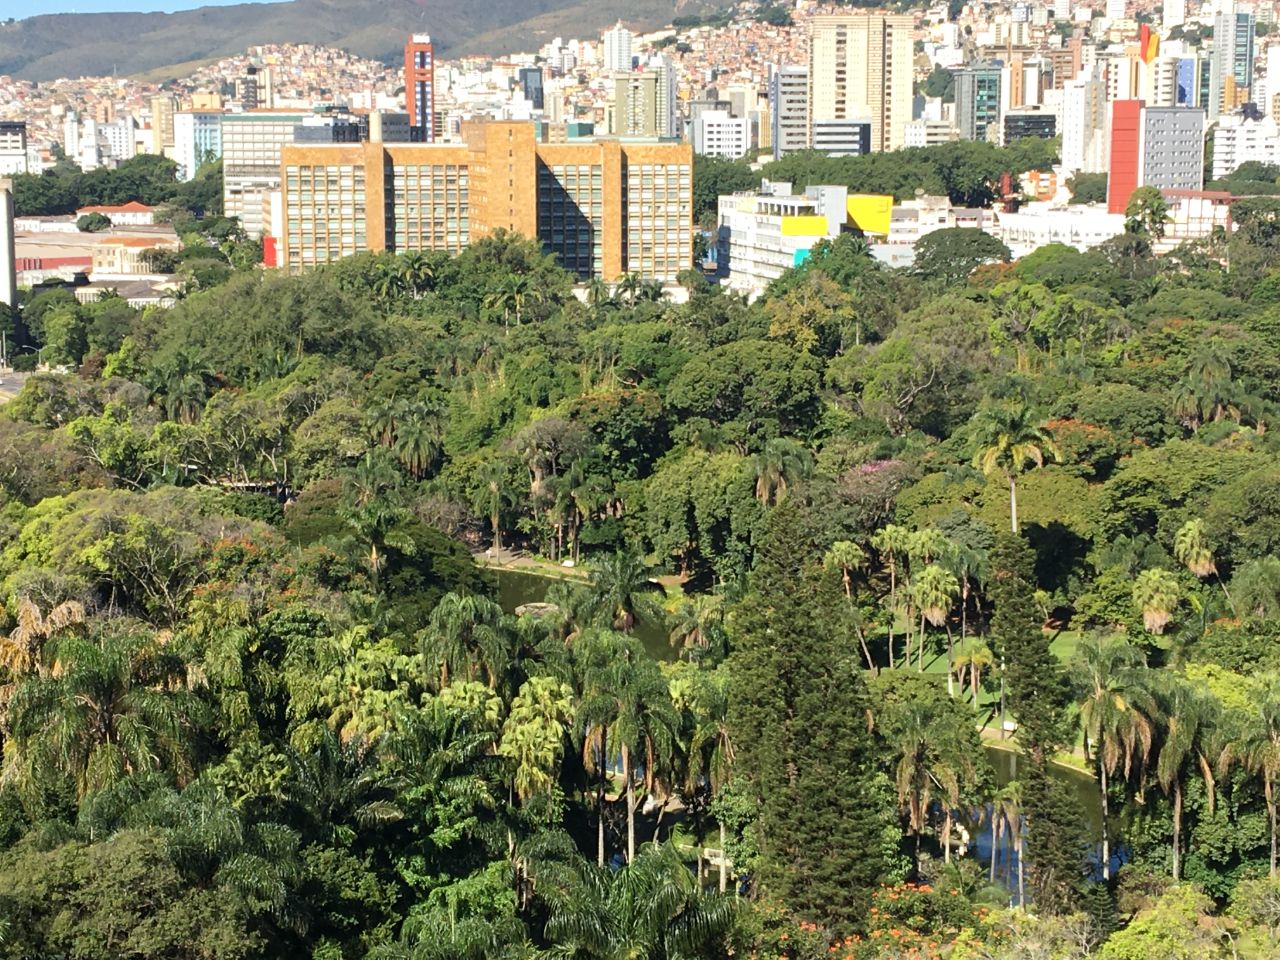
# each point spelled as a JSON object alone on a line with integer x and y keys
{"x": 870, "y": 213}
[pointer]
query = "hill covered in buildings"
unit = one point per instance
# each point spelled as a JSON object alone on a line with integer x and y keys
{"x": 83, "y": 44}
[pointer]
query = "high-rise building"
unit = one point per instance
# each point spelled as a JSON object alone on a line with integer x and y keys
{"x": 604, "y": 207}
{"x": 256, "y": 89}
{"x": 977, "y": 92}
{"x": 251, "y": 144}
{"x": 860, "y": 67}
{"x": 667, "y": 104}
{"x": 13, "y": 148}
{"x": 1231, "y": 65}
{"x": 1268, "y": 98}
{"x": 1159, "y": 147}
{"x": 530, "y": 79}
{"x": 635, "y": 104}
{"x": 1237, "y": 141}
{"x": 788, "y": 109}
{"x": 1115, "y": 9}
{"x": 1028, "y": 122}
{"x": 197, "y": 139}
{"x": 117, "y": 140}
{"x": 420, "y": 84}
{"x": 1084, "y": 123}
{"x": 716, "y": 133}
{"x": 162, "y": 111}
{"x": 617, "y": 49}
{"x": 842, "y": 138}
{"x": 71, "y": 135}
{"x": 8, "y": 265}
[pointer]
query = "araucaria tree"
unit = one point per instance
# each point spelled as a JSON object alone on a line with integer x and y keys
{"x": 798, "y": 710}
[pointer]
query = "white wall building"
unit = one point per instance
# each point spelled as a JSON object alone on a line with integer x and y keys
{"x": 1084, "y": 126}
{"x": 13, "y": 148}
{"x": 716, "y": 133}
{"x": 197, "y": 137}
{"x": 1237, "y": 141}
{"x": 1036, "y": 224}
{"x": 617, "y": 49}
{"x": 761, "y": 236}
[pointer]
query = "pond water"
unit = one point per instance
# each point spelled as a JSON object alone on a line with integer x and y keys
{"x": 516, "y": 587}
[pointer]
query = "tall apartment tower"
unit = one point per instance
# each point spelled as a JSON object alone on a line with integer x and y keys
{"x": 617, "y": 49}
{"x": 977, "y": 100}
{"x": 788, "y": 109}
{"x": 1231, "y": 66}
{"x": 162, "y": 111}
{"x": 420, "y": 85}
{"x": 860, "y": 68}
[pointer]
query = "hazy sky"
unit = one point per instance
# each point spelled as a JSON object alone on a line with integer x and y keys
{"x": 29, "y": 8}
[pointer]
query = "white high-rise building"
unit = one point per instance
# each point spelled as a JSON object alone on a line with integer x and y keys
{"x": 716, "y": 133}
{"x": 1115, "y": 9}
{"x": 1237, "y": 141}
{"x": 1175, "y": 14}
{"x": 860, "y": 66}
{"x": 617, "y": 49}
{"x": 668, "y": 114}
{"x": 197, "y": 138}
{"x": 117, "y": 140}
{"x": 13, "y": 148}
{"x": 1084, "y": 123}
{"x": 788, "y": 109}
{"x": 71, "y": 135}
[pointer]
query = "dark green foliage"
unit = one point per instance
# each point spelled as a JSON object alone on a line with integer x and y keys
{"x": 798, "y": 717}
{"x": 953, "y": 254}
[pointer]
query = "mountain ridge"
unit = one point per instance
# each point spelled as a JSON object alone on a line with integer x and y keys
{"x": 101, "y": 44}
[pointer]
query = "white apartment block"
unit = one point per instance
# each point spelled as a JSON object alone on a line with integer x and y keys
{"x": 13, "y": 148}
{"x": 197, "y": 137}
{"x": 930, "y": 133}
{"x": 251, "y": 144}
{"x": 861, "y": 66}
{"x": 717, "y": 134}
{"x": 1237, "y": 141}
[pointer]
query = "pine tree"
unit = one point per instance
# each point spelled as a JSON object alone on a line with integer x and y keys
{"x": 1037, "y": 694}
{"x": 798, "y": 722}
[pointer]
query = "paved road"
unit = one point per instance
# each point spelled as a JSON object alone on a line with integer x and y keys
{"x": 11, "y": 383}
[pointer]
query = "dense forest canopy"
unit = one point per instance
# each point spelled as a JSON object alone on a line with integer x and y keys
{"x": 970, "y": 577}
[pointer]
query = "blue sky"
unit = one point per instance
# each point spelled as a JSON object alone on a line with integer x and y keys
{"x": 29, "y": 8}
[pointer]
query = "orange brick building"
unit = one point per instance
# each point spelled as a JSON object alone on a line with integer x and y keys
{"x": 605, "y": 207}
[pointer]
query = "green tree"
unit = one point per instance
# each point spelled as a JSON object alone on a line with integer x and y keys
{"x": 1146, "y": 213}
{"x": 951, "y": 255}
{"x": 1189, "y": 719}
{"x": 622, "y": 592}
{"x": 1009, "y": 439}
{"x": 1255, "y": 747}
{"x": 780, "y": 463}
{"x": 798, "y": 720}
{"x": 1156, "y": 595}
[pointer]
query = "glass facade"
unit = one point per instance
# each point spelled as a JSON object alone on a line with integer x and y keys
{"x": 571, "y": 216}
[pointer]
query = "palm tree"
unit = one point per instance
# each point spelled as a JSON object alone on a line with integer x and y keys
{"x": 929, "y": 762}
{"x": 782, "y": 461}
{"x": 1156, "y": 594}
{"x": 491, "y": 494}
{"x": 116, "y": 707}
{"x": 533, "y": 735}
{"x": 417, "y": 440}
{"x": 22, "y": 651}
{"x": 628, "y": 288}
{"x": 416, "y": 272}
{"x": 1189, "y": 721}
{"x": 339, "y": 789}
{"x": 599, "y": 295}
{"x": 651, "y": 909}
{"x": 974, "y": 654}
{"x": 846, "y": 556}
{"x": 183, "y": 382}
{"x": 622, "y": 591}
{"x": 696, "y": 620}
{"x": 891, "y": 542}
{"x": 1256, "y": 747}
{"x": 1256, "y": 587}
{"x": 466, "y": 633}
{"x": 934, "y": 592}
{"x": 1010, "y": 438}
{"x": 627, "y": 705}
{"x": 1006, "y": 816}
{"x": 1118, "y": 715}
{"x": 1191, "y": 548}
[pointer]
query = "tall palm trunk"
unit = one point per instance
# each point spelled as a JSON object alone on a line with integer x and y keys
{"x": 600, "y": 803}
{"x": 951, "y": 670}
{"x": 997, "y": 831}
{"x": 920, "y": 641}
{"x": 1106, "y": 818}
{"x": 1013, "y": 503}
{"x": 1271, "y": 811}
{"x": 946, "y": 837}
{"x": 1022, "y": 874}
{"x": 893, "y": 604}
{"x": 973, "y": 678}
{"x": 1177, "y": 829}
{"x": 631, "y": 802}
{"x": 724, "y": 872}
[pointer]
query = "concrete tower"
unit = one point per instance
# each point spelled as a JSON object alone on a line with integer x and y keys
{"x": 8, "y": 274}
